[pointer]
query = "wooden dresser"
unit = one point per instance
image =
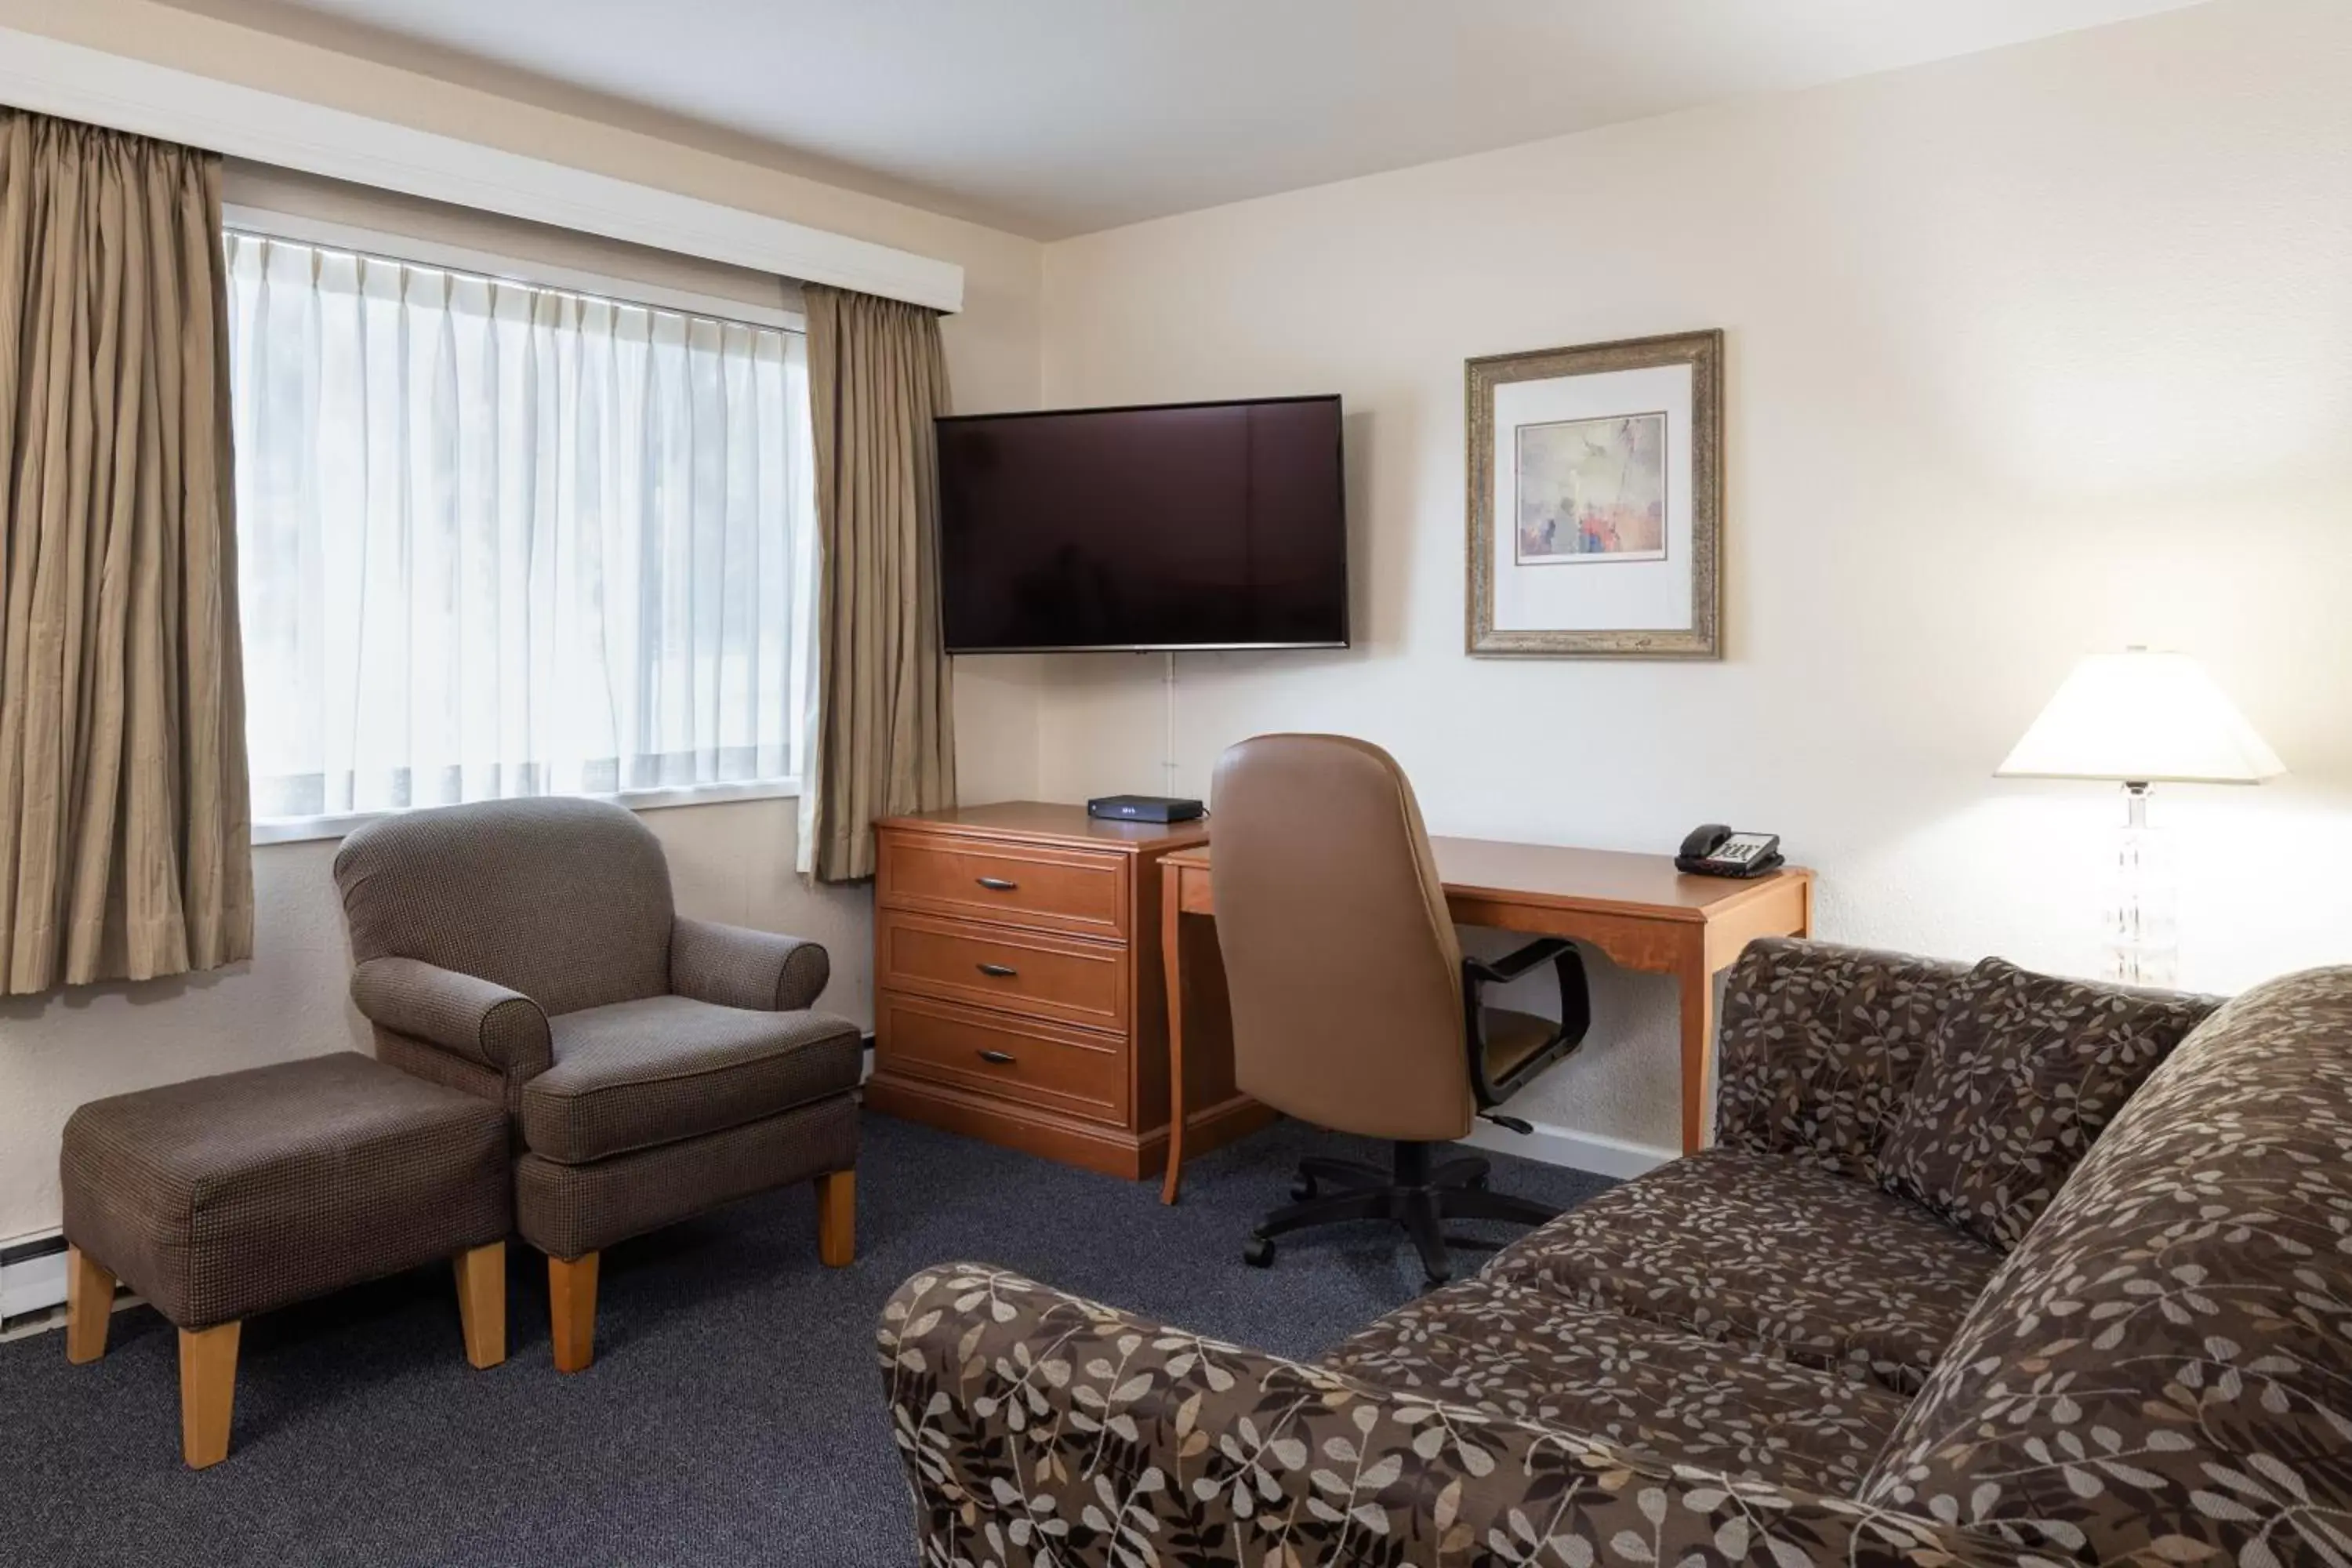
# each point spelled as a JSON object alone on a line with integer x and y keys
{"x": 1019, "y": 994}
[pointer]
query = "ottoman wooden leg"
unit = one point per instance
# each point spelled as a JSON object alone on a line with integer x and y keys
{"x": 90, "y": 1305}
{"x": 207, "y": 1392}
{"x": 482, "y": 1303}
{"x": 572, "y": 1311}
{"x": 836, "y": 1218}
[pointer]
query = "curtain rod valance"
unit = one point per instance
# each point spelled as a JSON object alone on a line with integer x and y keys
{"x": 52, "y": 77}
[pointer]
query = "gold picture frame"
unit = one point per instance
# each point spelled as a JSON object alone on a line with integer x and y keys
{"x": 1642, "y": 495}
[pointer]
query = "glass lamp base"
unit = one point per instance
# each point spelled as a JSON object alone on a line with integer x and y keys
{"x": 2142, "y": 898}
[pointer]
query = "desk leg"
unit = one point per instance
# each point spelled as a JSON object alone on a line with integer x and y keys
{"x": 1698, "y": 1044}
{"x": 1172, "y": 958}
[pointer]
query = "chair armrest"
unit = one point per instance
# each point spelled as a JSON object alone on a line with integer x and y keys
{"x": 1511, "y": 965}
{"x": 476, "y": 1018}
{"x": 1575, "y": 1015}
{"x": 737, "y": 967}
{"x": 1037, "y": 1428}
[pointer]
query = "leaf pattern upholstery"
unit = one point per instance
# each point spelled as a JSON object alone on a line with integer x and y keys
{"x": 1038, "y": 1428}
{"x": 1687, "y": 1372}
{"x": 1769, "y": 1250}
{"x": 2165, "y": 1363}
{"x": 2024, "y": 1072}
{"x": 1517, "y": 1350}
{"x": 1818, "y": 1046}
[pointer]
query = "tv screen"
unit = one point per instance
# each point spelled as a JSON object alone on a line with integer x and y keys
{"x": 1189, "y": 525}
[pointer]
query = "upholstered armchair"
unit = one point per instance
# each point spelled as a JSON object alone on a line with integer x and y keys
{"x": 653, "y": 1066}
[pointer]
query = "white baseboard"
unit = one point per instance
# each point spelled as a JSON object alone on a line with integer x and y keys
{"x": 1593, "y": 1152}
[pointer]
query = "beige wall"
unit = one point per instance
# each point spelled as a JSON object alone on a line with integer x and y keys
{"x": 729, "y": 861}
{"x": 2032, "y": 353}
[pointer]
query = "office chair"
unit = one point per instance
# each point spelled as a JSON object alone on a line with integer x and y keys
{"x": 1352, "y": 1005}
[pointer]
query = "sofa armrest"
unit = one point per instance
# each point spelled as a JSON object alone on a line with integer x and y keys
{"x": 478, "y": 1019}
{"x": 1038, "y": 1427}
{"x": 737, "y": 967}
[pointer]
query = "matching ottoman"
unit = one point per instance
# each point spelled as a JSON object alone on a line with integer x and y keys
{"x": 230, "y": 1195}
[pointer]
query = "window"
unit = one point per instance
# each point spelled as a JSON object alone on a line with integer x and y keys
{"x": 497, "y": 539}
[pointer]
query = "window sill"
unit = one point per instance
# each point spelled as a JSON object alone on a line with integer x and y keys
{"x": 307, "y": 829}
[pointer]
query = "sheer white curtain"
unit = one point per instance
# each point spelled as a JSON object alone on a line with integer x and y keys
{"x": 500, "y": 540}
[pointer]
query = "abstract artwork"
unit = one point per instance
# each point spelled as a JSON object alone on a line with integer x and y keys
{"x": 1595, "y": 500}
{"x": 1592, "y": 489}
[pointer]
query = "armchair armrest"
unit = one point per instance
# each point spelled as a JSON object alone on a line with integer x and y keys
{"x": 737, "y": 967}
{"x": 476, "y": 1018}
{"x": 1038, "y": 1427}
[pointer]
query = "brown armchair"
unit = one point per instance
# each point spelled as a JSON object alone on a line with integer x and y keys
{"x": 527, "y": 950}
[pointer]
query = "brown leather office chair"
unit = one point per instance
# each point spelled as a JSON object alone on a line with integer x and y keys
{"x": 1352, "y": 1005}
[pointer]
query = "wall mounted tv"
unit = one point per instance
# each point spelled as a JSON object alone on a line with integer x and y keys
{"x": 1191, "y": 525}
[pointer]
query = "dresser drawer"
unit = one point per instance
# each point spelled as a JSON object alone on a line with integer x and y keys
{"x": 1030, "y": 973}
{"x": 1027, "y": 885}
{"x": 1023, "y": 1059}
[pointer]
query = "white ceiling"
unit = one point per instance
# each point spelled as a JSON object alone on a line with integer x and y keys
{"x": 1057, "y": 117}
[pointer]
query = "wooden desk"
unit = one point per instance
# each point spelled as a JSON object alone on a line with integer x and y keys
{"x": 1636, "y": 909}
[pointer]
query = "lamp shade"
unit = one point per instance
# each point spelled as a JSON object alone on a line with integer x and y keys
{"x": 2145, "y": 718}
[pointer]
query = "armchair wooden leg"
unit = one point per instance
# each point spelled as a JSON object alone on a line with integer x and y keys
{"x": 836, "y": 1218}
{"x": 89, "y": 1304}
{"x": 208, "y": 1393}
{"x": 572, "y": 1311}
{"x": 482, "y": 1303}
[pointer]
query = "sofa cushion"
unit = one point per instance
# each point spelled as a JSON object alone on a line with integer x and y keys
{"x": 2164, "y": 1364}
{"x": 661, "y": 1069}
{"x": 1521, "y": 1351}
{"x": 1771, "y": 1252}
{"x": 2024, "y": 1072}
{"x": 1820, "y": 1044}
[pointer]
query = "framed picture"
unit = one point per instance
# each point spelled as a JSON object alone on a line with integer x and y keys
{"x": 1596, "y": 500}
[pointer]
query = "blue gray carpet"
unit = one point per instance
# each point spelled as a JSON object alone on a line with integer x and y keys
{"x": 733, "y": 1415}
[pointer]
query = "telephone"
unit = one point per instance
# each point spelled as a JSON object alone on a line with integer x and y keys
{"x": 1714, "y": 850}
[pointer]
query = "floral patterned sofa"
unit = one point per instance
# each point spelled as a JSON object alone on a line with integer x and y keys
{"x": 1888, "y": 1319}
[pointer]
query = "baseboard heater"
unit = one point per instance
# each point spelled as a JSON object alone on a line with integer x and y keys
{"x": 32, "y": 1277}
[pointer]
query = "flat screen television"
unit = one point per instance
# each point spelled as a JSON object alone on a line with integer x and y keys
{"x": 1188, "y": 525}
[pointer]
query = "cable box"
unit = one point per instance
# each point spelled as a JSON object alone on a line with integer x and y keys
{"x": 1144, "y": 808}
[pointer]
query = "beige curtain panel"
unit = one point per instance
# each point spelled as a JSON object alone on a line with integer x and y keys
{"x": 886, "y": 720}
{"x": 125, "y": 816}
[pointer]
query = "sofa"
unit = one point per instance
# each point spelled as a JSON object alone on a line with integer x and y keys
{"x": 1985, "y": 1268}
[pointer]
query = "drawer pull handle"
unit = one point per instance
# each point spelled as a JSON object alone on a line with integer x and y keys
{"x": 996, "y": 884}
{"x": 1000, "y": 1058}
{"x": 1001, "y": 971}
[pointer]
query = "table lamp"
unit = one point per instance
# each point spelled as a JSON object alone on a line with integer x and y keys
{"x": 2142, "y": 719}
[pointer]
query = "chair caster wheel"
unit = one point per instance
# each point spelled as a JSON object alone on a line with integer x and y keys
{"x": 1302, "y": 1187}
{"x": 1258, "y": 1252}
